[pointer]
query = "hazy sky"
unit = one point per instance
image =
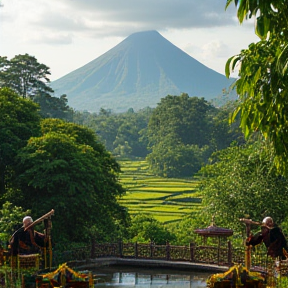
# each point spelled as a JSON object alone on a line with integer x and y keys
{"x": 67, "y": 34}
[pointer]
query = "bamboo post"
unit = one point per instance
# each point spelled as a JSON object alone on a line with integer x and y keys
{"x": 192, "y": 247}
{"x": 167, "y": 251}
{"x": 92, "y": 252}
{"x": 248, "y": 223}
{"x": 120, "y": 244}
{"x": 151, "y": 249}
{"x": 229, "y": 253}
{"x": 50, "y": 243}
{"x": 218, "y": 251}
{"x": 136, "y": 250}
{"x": 45, "y": 254}
{"x": 48, "y": 227}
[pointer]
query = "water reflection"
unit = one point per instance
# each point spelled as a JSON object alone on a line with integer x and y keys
{"x": 145, "y": 278}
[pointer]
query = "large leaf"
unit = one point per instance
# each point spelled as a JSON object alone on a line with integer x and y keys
{"x": 262, "y": 27}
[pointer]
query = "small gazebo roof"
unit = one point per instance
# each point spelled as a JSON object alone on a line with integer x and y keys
{"x": 214, "y": 231}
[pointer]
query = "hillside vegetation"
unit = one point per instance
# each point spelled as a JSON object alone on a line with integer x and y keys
{"x": 166, "y": 199}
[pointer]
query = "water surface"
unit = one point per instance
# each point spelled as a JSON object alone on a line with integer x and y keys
{"x": 132, "y": 277}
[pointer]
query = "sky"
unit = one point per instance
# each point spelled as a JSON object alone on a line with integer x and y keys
{"x": 67, "y": 34}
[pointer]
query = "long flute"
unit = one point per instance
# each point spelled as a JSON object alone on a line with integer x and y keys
{"x": 39, "y": 220}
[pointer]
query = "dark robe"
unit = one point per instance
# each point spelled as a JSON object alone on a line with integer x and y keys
{"x": 273, "y": 239}
{"x": 26, "y": 242}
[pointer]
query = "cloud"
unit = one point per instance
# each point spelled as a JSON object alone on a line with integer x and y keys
{"x": 168, "y": 12}
{"x": 51, "y": 39}
{"x": 92, "y": 18}
{"x": 216, "y": 49}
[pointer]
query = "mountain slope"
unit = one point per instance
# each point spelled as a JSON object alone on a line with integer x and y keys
{"x": 137, "y": 73}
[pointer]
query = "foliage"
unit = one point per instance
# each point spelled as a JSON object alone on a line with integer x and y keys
{"x": 240, "y": 182}
{"x": 184, "y": 230}
{"x": 123, "y": 134}
{"x": 147, "y": 229}
{"x": 182, "y": 132}
{"x": 67, "y": 169}
{"x": 54, "y": 107}
{"x": 25, "y": 75}
{"x": 175, "y": 116}
{"x": 29, "y": 79}
{"x": 170, "y": 160}
{"x": 282, "y": 282}
{"x": 223, "y": 133}
{"x": 263, "y": 75}
{"x": 19, "y": 120}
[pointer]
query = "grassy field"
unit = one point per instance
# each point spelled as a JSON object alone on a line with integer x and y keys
{"x": 167, "y": 200}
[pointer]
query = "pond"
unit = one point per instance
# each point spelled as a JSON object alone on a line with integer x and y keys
{"x": 128, "y": 277}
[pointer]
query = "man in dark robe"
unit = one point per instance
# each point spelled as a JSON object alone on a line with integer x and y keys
{"x": 26, "y": 241}
{"x": 273, "y": 238}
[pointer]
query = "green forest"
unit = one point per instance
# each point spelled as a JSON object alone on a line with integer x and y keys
{"x": 129, "y": 175}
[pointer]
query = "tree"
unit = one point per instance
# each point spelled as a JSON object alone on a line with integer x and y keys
{"x": 262, "y": 83}
{"x": 184, "y": 229}
{"x": 123, "y": 134}
{"x": 69, "y": 170}
{"x": 224, "y": 133}
{"x": 183, "y": 116}
{"x": 29, "y": 78}
{"x": 54, "y": 107}
{"x": 25, "y": 75}
{"x": 147, "y": 229}
{"x": 241, "y": 182}
{"x": 182, "y": 132}
{"x": 128, "y": 134}
{"x": 172, "y": 159}
{"x": 19, "y": 120}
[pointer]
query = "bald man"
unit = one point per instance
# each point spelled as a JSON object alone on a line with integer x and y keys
{"x": 26, "y": 242}
{"x": 273, "y": 238}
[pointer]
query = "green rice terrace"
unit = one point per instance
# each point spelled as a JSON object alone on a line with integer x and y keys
{"x": 166, "y": 199}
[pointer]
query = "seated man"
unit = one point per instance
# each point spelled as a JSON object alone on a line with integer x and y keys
{"x": 28, "y": 241}
{"x": 273, "y": 238}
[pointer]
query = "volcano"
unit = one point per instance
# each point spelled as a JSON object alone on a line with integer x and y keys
{"x": 137, "y": 73}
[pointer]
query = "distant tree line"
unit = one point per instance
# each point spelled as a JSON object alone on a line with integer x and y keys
{"x": 122, "y": 134}
{"x": 177, "y": 137}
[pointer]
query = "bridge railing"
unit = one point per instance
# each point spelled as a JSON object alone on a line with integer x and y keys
{"x": 223, "y": 256}
{"x": 215, "y": 255}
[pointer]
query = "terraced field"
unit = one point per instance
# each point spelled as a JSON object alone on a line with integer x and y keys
{"x": 167, "y": 200}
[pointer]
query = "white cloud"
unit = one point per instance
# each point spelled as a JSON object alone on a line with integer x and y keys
{"x": 215, "y": 48}
{"x": 50, "y": 39}
{"x": 67, "y": 34}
